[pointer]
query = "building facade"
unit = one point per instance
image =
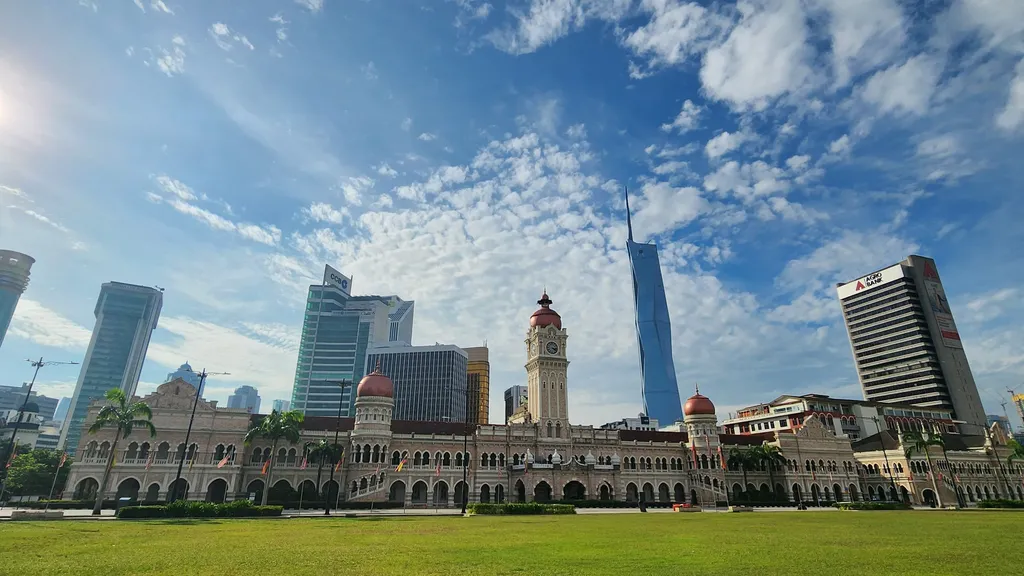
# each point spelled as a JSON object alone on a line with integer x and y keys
{"x": 245, "y": 398}
{"x": 186, "y": 373}
{"x": 12, "y": 397}
{"x": 641, "y": 422}
{"x": 126, "y": 316}
{"x": 282, "y": 405}
{"x": 540, "y": 456}
{"x": 431, "y": 382}
{"x": 653, "y": 331}
{"x": 478, "y": 370}
{"x": 515, "y": 396}
{"x": 905, "y": 344}
{"x": 1002, "y": 421}
{"x": 15, "y": 269}
{"x": 337, "y": 330}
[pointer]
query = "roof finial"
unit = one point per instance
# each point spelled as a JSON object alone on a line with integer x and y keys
{"x": 696, "y": 387}
{"x": 377, "y": 368}
{"x": 629, "y": 221}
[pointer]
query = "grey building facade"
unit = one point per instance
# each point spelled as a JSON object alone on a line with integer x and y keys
{"x": 515, "y": 397}
{"x": 430, "y": 381}
{"x": 126, "y": 315}
{"x": 15, "y": 268}
{"x": 905, "y": 343}
{"x": 12, "y": 398}
{"x": 246, "y": 397}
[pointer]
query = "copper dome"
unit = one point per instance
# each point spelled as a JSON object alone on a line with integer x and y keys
{"x": 698, "y": 404}
{"x": 545, "y": 316}
{"x": 376, "y": 384}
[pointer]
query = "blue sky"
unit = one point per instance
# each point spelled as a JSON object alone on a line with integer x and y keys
{"x": 468, "y": 154}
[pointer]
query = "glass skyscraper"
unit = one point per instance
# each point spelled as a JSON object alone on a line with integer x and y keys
{"x": 126, "y": 315}
{"x": 246, "y": 397}
{"x": 186, "y": 373}
{"x": 336, "y": 333}
{"x": 14, "y": 272}
{"x": 653, "y": 332}
{"x": 431, "y": 382}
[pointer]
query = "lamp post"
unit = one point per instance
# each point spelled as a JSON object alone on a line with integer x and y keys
{"x": 337, "y": 429}
{"x": 173, "y": 495}
{"x": 465, "y": 455}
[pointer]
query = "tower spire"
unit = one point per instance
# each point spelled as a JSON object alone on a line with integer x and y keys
{"x": 629, "y": 221}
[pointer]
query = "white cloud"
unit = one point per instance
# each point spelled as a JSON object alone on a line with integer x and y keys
{"x": 938, "y": 146}
{"x": 159, "y": 6}
{"x": 172, "y": 62}
{"x": 370, "y": 71}
{"x": 676, "y": 30}
{"x": 546, "y": 21}
{"x": 1012, "y": 115}
{"x": 663, "y": 208}
{"x": 224, "y": 37}
{"x": 311, "y": 5}
{"x": 764, "y": 57}
{"x": 323, "y": 212}
{"x": 269, "y": 235}
{"x": 687, "y": 119}
{"x": 840, "y": 146}
{"x": 726, "y": 142}
{"x": 139, "y": 4}
{"x": 406, "y": 124}
{"x": 904, "y": 88}
{"x": 748, "y": 182}
{"x": 427, "y": 137}
{"x": 44, "y": 219}
{"x": 385, "y": 170}
{"x": 38, "y": 324}
{"x": 180, "y": 189}
{"x": 865, "y": 34}
{"x": 12, "y": 191}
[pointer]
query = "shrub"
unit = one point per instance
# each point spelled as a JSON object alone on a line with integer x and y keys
{"x": 142, "y": 512}
{"x": 66, "y": 504}
{"x": 872, "y": 506}
{"x": 188, "y": 509}
{"x": 521, "y": 508}
{"x": 1001, "y": 504}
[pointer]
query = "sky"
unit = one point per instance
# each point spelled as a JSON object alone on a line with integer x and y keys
{"x": 469, "y": 154}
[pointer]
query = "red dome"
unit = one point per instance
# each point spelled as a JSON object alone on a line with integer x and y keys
{"x": 545, "y": 316}
{"x": 698, "y": 404}
{"x": 376, "y": 384}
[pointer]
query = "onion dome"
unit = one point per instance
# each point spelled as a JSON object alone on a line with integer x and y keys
{"x": 590, "y": 459}
{"x": 698, "y": 404}
{"x": 545, "y": 316}
{"x": 376, "y": 384}
{"x": 556, "y": 458}
{"x": 615, "y": 459}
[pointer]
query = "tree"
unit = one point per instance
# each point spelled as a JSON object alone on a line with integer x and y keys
{"x": 1016, "y": 451}
{"x": 323, "y": 451}
{"x": 921, "y": 444}
{"x": 275, "y": 427}
{"x": 124, "y": 414}
{"x": 740, "y": 459}
{"x": 31, "y": 473}
{"x": 771, "y": 456}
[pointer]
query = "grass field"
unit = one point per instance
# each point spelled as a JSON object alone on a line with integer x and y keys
{"x": 791, "y": 543}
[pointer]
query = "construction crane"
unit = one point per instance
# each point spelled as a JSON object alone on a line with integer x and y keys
{"x": 1018, "y": 402}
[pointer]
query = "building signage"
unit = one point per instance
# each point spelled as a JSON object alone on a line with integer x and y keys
{"x": 334, "y": 278}
{"x": 939, "y": 306}
{"x": 870, "y": 281}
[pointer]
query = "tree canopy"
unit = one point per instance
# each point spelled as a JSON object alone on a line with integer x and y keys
{"x": 31, "y": 473}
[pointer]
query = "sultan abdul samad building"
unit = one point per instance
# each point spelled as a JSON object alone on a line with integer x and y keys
{"x": 539, "y": 455}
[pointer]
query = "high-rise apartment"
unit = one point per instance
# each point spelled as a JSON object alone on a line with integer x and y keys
{"x": 126, "y": 315}
{"x": 905, "y": 344}
{"x": 431, "y": 382}
{"x": 653, "y": 332}
{"x": 478, "y": 370}
{"x": 245, "y": 397}
{"x": 14, "y": 272}
{"x": 515, "y": 396}
{"x": 186, "y": 373}
{"x": 337, "y": 331}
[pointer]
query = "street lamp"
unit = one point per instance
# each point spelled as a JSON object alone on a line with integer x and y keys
{"x": 337, "y": 429}
{"x": 175, "y": 486}
{"x": 465, "y": 455}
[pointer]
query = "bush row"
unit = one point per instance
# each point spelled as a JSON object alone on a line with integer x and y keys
{"x": 521, "y": 508}
{"x": 1001, "y": 504}
{"x": 186, "y": 509}
{"x": 872, "y": 506}
{"x": 65, "y": 504}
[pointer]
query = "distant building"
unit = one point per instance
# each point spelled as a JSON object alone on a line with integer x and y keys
{"x": 1002, "y": 421}
{"x": 282, "y": 405}
{"x": 245, "y": 397}
{"x": 515, "y": 397}
{"x": 185, "y": 373}
{"x": 431, "y": 382}
{"x": 478, "y": 370}
{"x": 12, "y": 397}
{"x": 61, "y": 413}
{"x": 126, "y": 315}
{"x": 14, "y": 272}
{"x": 32, "y": 428}
{"x": 641, "y": 422}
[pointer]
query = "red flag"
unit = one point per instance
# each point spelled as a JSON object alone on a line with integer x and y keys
{"x": 437, "y": 472}
{"x": 266, "y": 465}
{"x": 722, "y": 458}
{"x": 693, "y": 448}
{"x": 377, "y": 471}
{"x": 223, "y": 462}
{"x": 401, "y": 465}
{"x": 63, "y": 459}
{"x": 340, "y": 460}
{"x": 150, "y": 461}
{"x": 303, "y": 467}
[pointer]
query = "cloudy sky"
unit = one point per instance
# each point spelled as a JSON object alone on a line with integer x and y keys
{"x": 466, "y": 154}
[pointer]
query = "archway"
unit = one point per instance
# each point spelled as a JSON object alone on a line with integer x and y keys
{"x": 499, "y": 493}
{"x": 330, "y": 491}
{"x": 780, "y": 493}
{"x": 441, "y": 493}
{"x": 485, "y": 494}
{"x": 764, "y": 493}
{"x": 663, "y": 495}
{"x": 128, "y": 488}
{"x": 929, "y": 497}
{"x": 853, "y": 493}
{"x": 631, "y": 493}
{"x": 797, "y": 495}
{"x": 694, "y": 500}
{"x": 815, "y": 494}
{"x": 871, "y": 492}
{"x": 905, "y": 494}
{"x": 307, "y": 492}
{"x": 460, "y": 493}
{"x": 86, "y": 489}
{"x": 397, "y": 491}
{"x": 737, "y": 492}
{"x": 520, "y": 491}
{"x": 419, "y": 492}
{"x": 255, "y": 490}
{"x": 281, "y": 492}
{"x": 679, "y": 493}
{"x": 604, "y": 493}
{"x": 648, "y": 492}
{"x": 542, "y": 492}
{"x": 217, "y": 491}
{"x": 574, "y": 490}
{"x": 153, "y": 493}
{"x": 178, "y": 490}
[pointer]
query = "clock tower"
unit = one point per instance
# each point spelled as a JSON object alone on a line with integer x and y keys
{"x": 546, "y": 368}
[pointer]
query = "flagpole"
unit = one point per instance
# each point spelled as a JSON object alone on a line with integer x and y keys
{"x": 60, "y": 465}
{"x": 337, "y": 429}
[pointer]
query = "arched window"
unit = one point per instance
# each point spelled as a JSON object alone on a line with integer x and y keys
{"x": 132, "y": 452}
{"x": 446, "y": 460}
{"x": 366, "y": 453}
{"x": 550, "y": 429}
{"x": 144, "y": 451}
{"x": 458, "y": 460}
{"x": 395, "y": 458}
{"x": 501, "y": 460}
{"x": 558, "y": 429}
{"x": 376, "y": 453}
{"x": 218, "y": 453}
{"x": 483, "y": 459}
{"x": 426, "y": 458}
{"x": 494, "y": 459}
{"x": 416, "y": 461}
{"x": 515, "y": 459}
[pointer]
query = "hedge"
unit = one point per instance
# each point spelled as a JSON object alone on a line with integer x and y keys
{"x": 187, "y": 509}
{"x": 64, "y": 504}
{"x": 1001, "y": 504}
{"x": 872, "y": 506}
{"x": 521, "y": 508}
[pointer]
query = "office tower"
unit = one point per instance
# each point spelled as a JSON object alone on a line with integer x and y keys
{"x": 282, "y": 405}
{"x": 478, "y": 370}
{"x": 430, "y": 381}
{"x": 14, "y": 272}
{"x": 905, "y": 343}
{"x": 515, "y": 397}
{"x": 653, "y": 331}
{"x": 61, "y": 413}
{"x": 337, "y": 330}
{"x": 12, "y": 397}
{"x": 245, "y": 397}
{"x": 1002, "y": 421}
{"x": 186, "y": 373}
{"x": 126, "y": 315}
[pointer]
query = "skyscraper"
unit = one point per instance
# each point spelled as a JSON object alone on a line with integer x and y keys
{"x": 430, "y": 381}
{"x": 905, "y": 344}
{"x": 478, "y": 370}
{"x": 337, "y": 330}
{"x": 185, "y": 373}
{"x": 515, "y": 396}
{"x": 14, "y": 272}
{"x": 245, "y": 397}
{"x": 126, "y": 315}
{"x": 282, "y": 405}
{"x": 653, "y": 332}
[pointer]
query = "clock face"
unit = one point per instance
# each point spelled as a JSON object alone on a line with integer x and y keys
{"x": 552, "y": 348}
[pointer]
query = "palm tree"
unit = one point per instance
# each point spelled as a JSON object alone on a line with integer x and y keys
{"x": 921, "y": 444}
{"x": 323, "y": 451}
{"x": 275, "y": 427}
{"x": 771, "y": 456}
{"x": 740, "y": 459}
{"x": 125, "y": 415}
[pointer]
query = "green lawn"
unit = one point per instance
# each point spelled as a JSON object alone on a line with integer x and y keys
{"x": 762, "y": 544}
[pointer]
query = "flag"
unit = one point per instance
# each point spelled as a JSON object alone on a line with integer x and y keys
{"x": 113, "y": 460}
{"x": 722, "y": 458}
{"x": 148, "y": 462}
{"x": 401, "y": 465}
{"x": 304, "y": 462}
{"x": 191, "y": 462}
{"x": 377, "y": 471}
{"x": 63, "y": 459}
{"x": 265, "y": 466}
{"x": 693, "y": 448}
{"x": 437, "y": 472}
{"x": 341, "y": 459}
{"x": 223, "y": 462}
